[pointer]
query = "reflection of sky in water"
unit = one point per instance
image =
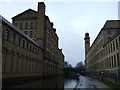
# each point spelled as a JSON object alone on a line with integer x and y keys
{"x": 70, "y": 83}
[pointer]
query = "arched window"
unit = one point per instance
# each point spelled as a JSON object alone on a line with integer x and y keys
{"x": 12, "y": 59}
{"x": 22, "y": 63}
{"x": 29, "y": 64}
{"x": 26, "y": 63}
{"x": 4, "y": 58}
{"x": 6, "y": 34}
{"x": 31, "y": 25}
{"x": 13, "y": 38}
{"x": 17, "y": 62}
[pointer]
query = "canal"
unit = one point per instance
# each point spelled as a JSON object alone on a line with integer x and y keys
{"x": 65, "y": 83}
{"x": 70, "y": 83}
{"x": 56, "y": 82}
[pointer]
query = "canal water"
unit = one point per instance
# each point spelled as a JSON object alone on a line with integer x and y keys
{"x": 70, "y": 83}
{"x": 57, "y": 82}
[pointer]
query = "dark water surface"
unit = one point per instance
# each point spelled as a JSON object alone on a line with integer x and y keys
{"x": 56, "y": 82}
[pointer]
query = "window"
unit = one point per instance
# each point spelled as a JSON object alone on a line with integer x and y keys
{"x": 33, "y": 49}
{"x": 13, "y": 38}
{"x": 108, "y": 32}
{"x": 26, "y": 32}
{"x": 31, "y": 25}
{"x": 109, "y": 48}
{"x": 109, "y": 38}
{"x": 26, "y": 25}
{"x": 38, "y": 51}
{"x": 116, "y": 44}
{"x": 118, "y": 62}
{"x": 21, "y": 26}
{"x": 109, "y": 63}
{"x": 31, "y": 34}
{"x": 6, "y": 34}
{"x": 27, "y": 45}
{"x": 116, "y": 32}
{"x": 113, "y": 45}
{"x": 119, "y": 40}
{"x": 23, "y": 43}
{"x": 35, "y": 25}
{"x": 29, "y": 15}
{"x": 16, "y": 24}
{"x": 115, "y": 60}
{"x": 30, "y": 47}
{"x": 112, "y": 61}
{"x": 18, "y": 41}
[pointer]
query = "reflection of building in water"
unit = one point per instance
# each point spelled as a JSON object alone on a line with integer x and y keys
{"x": 103, "y": 57}
{"x": 30, "y": 46}
{"x": 55, "y": 82}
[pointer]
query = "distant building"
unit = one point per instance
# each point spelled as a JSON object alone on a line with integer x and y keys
{"x": 103, "y": 55}
{"x": 67, "y": 65}
{"x": 79, "y": 65}
{"x": 30, "y": 45}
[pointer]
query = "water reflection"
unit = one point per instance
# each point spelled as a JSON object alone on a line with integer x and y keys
{"x": 56, "y": 82}
{"x": 70, "y": 83}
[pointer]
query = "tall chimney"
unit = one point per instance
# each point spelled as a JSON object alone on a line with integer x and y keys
{"x": 87, "y": 43}
{"x": 40, "y": 23}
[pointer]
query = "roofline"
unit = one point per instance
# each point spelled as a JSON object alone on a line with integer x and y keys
{"x": 24, "y": 12}
{"x": 112, "y": 39}
{"x": 110, "y": 21}
{"x": 103, "y": 29}
{"x": 96, "y": 38}
{"x": 47, "y": 18}
{"x": 17, "y": 30}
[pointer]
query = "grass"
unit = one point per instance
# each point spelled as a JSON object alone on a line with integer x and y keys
{"x": 110, "y": 84}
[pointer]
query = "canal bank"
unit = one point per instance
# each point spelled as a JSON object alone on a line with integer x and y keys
{"x": 87, "y": 82}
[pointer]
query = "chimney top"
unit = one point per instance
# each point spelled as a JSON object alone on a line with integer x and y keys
{"x": 41, "y": 3}
{"x": 86, "y": 34}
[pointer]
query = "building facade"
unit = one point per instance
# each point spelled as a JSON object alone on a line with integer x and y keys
{"x": 21, "y": 56}
{"x": 103, "y": 56}
{"x": 111, "y": 61}
{"x": 30, "y": 45}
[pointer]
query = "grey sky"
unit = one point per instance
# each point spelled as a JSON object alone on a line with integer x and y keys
{"x": 71, "y": 20}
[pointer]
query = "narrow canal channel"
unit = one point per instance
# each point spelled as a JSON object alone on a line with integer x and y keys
{"x": 56, "y": 82}
{"x": 70, "y": 83}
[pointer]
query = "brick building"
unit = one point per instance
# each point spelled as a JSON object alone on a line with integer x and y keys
{"x": 30, "y": 45}
{"x": 103, "y": 56}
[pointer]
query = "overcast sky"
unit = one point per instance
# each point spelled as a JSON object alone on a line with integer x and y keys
{"x": 71, "y": 20}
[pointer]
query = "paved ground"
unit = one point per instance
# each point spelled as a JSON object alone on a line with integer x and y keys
{"x": 87, "y": 82}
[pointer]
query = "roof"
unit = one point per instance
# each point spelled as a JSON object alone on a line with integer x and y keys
{"x": 17, "y": 30}
{"x": 111, "y": 24}
{"x": 111, "y": 39}
{"x": 46, "y": 17}
{"x": 24, "y": 12}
